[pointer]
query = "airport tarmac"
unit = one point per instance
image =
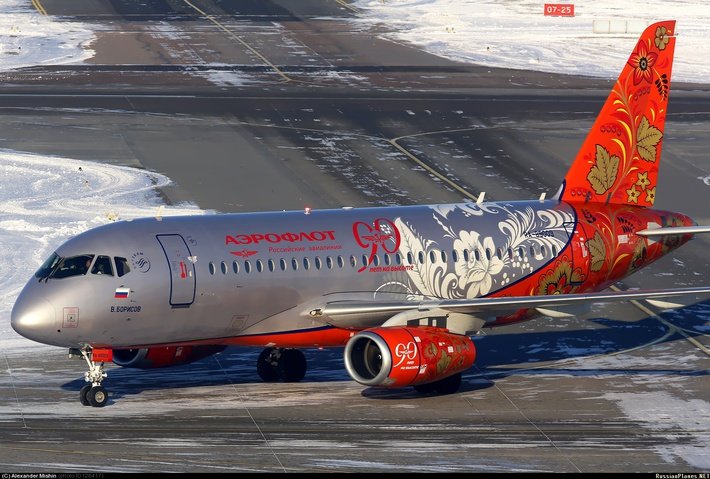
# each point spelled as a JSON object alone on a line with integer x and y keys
{"x": 622, "y": 389}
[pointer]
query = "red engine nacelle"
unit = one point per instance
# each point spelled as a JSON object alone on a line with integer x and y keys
{"x": 161, "y": 357}
{"x": 400, "y": 356}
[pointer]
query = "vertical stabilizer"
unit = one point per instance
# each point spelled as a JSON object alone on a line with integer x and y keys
{"x": 618, "y": 162}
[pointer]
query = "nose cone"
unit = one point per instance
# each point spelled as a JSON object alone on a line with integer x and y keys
{"x": 33, "y": 317}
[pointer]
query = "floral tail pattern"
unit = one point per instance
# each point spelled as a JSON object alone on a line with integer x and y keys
{"x": 618, "y": 162}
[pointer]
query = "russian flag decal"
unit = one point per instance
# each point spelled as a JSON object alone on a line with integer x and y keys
{"x": 122, "y": 293}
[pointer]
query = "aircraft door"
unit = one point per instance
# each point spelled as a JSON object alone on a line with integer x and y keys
{"x": 182, "y": 270}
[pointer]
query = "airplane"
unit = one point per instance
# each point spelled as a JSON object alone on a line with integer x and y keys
{"x": 401, "y": 288}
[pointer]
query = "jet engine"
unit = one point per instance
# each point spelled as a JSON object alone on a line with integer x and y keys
{"x": 400, "y": 356}
{"x": 161, "y": 357}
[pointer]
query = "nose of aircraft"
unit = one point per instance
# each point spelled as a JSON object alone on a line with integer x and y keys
{"x": 33, "y": 317}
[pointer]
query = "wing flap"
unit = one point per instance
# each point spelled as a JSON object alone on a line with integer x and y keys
{"x": 346, "y": 313}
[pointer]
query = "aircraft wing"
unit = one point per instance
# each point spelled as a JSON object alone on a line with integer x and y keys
{"x": 468, "y": 315}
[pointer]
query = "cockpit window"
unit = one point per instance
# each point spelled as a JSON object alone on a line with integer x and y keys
{"x": 122, "y": 266}
{"x": 46, "y": 269}
{"x": 102, "y": 266}
{"x": 72, "y": 266}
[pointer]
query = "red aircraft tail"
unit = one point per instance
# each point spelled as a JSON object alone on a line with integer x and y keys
{"x": 618, "y": 162}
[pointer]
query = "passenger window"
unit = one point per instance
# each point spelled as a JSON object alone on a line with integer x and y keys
{"x": 554, "y": 250}
{"x": 102, "y": 266}
{"x": 477, "y": 255}
{"x": 122, "y": 267}
{"x": 329, "y": 262}
{"x": 542, "y": 250}
{"x": 398, "y": 258}
{"x": 376, "y": 260}
{"x": 365, "y": 260}
{"x": 271, "y": 265}
{"x": 306, "y": 263}
{"x": 341, "y": 263}
{"x": 223, "y": 266}
{"x": 465, "y": 255}
{"x": 387, "y": 259}
{"x": 259, "y": 266}
{"x": 443, "y": 256}
{"x": 488, "y": 254}
{"x": 510, "y": 253}
{"x": 353, "y": 261}
{"x": 235, "y": 267}
{"x": 410, "y": 258}
{"x": 294, "y": 264}
{"x": 318, "y": 262}
{"x": 499, "y": 253}
{"x": 432, "y": 256}
{"x": 454, "y": 256}
{"x": 282, "y": 263}
{"x": 421, "y": 257}
{"x": 521, "y": 252}
{"x": 212, "y": 268}
{"x": 247, "y": 266}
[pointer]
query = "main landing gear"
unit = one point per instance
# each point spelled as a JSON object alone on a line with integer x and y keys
{"x": 448, "y": 385}
{"x": 93, "y": 394}
{"x": 288, "y": 365}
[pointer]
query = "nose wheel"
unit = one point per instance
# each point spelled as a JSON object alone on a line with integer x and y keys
{"x": 288, "y": 365}
{"x": 93, "y": 394}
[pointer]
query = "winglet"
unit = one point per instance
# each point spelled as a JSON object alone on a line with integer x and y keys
{"x": 618, "y": 162}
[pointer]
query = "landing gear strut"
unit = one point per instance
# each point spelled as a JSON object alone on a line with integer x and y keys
{"x": 93, "y": 394}
{"x": 288, "y": 365}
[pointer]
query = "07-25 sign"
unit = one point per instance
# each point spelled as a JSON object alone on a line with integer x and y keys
{"x": 559, "y": 9}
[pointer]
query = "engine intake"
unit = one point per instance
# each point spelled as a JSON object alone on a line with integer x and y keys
{"x": 401, "y": 356}
{"x": 161, "y": 357}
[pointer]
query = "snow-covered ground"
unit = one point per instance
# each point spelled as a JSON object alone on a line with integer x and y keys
{"x": 517, "y": 34}
{"x": 28, "y": 38}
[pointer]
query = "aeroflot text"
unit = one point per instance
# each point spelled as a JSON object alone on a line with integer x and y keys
{"x": 279, "y": 237}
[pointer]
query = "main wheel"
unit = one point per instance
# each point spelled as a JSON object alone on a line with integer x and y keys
{"x": 97, "y": 396}
{"x": 83, "y": 395}
{"x": 448, "y": 385}
{"x": 292, "y": 365}
{"x": 425, "y": 388}
{"x": 267, "y": 371}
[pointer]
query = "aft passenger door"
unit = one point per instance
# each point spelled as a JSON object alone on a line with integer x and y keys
{"x": 182, "y": 270}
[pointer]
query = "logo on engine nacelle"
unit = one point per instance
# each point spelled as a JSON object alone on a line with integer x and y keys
{"x": 405, "y": 351}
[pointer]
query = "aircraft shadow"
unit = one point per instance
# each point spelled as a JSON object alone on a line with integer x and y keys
{"x": 499, "y": 354}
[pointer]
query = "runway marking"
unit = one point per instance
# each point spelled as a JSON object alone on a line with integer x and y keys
{"x": 17, "y": 398}
{"x": 670, "y": 325}
{"x": 428, "y": 168}
{"x": 237, "y": 38}
{"x": 547, "y": 438}
{"x": 348, "y": 6}
{"x": 239, "y": 394}
{"x": 39, "y": 7}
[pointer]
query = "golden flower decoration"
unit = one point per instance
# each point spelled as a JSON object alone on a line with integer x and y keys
{"x": 651, "y": 195}
{"x": 643, "y": 180}
{"x": 661, "y": 38}
{"x": 633, "y": 194}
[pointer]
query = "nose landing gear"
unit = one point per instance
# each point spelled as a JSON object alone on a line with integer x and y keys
{"x": 93, "y": 394}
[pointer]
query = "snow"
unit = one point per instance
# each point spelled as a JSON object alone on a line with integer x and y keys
{"x": 28, "y": 38}
{"x": 516, "y": 34}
